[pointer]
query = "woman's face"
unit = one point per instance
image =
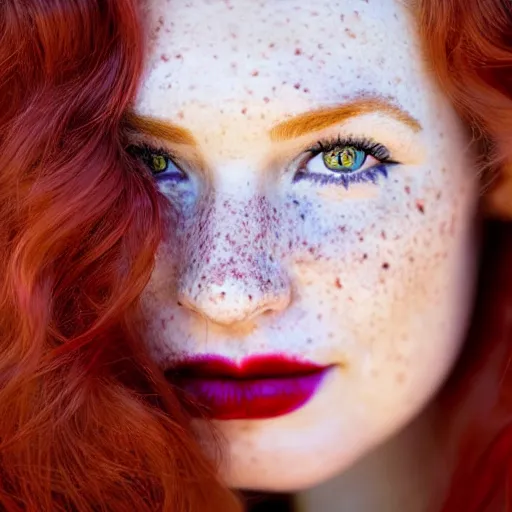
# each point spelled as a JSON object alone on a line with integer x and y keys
{"x": 314, "y": 283}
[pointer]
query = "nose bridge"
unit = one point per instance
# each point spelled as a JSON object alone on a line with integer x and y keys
{"x": 230, "y": 273}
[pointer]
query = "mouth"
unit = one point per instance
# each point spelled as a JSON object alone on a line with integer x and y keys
{"x": 257, "y": 388}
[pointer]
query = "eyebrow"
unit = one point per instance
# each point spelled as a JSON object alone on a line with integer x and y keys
{"x": 160, "y": 129}
{"x": 323, "y": 118}
{"x": 297, "y": 126}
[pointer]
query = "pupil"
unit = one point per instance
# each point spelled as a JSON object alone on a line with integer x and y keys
{"x": 347, "y": 157}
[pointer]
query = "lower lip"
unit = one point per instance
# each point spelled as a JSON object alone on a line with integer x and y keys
{"x": 230, "y": 399}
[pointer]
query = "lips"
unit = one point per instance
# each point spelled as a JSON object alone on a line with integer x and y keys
{"x": 257, "y": 388}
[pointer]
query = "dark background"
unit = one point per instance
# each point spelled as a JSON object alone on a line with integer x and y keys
{"x": 260, "y": 502}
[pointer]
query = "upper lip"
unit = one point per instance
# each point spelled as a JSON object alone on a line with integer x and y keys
{"x": 263, "y": 366}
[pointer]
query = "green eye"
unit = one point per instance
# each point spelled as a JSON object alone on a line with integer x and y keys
{"x": 158, "y": 163}
{"x": 344, "y": 159}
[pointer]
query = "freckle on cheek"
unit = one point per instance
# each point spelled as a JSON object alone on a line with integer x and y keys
{"x": 400, "y": 378}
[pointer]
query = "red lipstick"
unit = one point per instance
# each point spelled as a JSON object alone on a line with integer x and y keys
{"x": 258, "y": 387}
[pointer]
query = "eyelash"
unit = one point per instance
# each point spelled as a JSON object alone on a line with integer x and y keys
{"x": 370, "y": 147}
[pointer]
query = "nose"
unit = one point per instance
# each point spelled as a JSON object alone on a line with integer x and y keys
{"x": 232, "y": 274}
{"x": 230, "y": 299}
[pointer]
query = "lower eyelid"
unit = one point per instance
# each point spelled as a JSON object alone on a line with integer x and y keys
{"x": 170, "y": 178}
{"x": 370, "y": 175}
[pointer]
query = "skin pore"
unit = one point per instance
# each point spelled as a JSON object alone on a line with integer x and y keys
{"x": 271, "y": 249}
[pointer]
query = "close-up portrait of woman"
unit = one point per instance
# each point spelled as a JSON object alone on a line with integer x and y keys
{"x": 256, "y": 255}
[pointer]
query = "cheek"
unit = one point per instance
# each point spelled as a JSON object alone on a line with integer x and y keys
{"x": 388, "y": 272}
{"x": 408, "y": 222}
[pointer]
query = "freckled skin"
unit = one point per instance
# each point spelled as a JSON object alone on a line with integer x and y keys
{"x": 378, "y": 278}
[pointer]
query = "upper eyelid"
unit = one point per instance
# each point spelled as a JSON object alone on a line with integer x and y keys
{"x": 363, "y": 143}
{"x": 173, "y": 158}
{"x": 141, "y": 141}
{"x": 159, "y": 150}
{"x": 185, "y": 163}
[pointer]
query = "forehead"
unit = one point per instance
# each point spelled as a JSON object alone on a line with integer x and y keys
{"x": 236, "y": 60}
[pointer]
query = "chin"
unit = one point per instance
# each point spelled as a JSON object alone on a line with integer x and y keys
{"x": 297, "y": 477}
{"x": 306, "y": 447}
{"x": 295, "y": 451}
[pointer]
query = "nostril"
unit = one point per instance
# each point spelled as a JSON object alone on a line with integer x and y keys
{"x": 180, "y": 304}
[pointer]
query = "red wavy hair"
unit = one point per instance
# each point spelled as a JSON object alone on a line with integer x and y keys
{"x": 87, "y": 422}
{"x": 469, "y": 49}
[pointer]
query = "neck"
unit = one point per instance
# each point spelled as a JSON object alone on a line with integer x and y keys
{"x": 406, "y": 473}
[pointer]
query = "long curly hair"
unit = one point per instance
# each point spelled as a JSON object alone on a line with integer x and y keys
{"x": 88, "y": 423}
